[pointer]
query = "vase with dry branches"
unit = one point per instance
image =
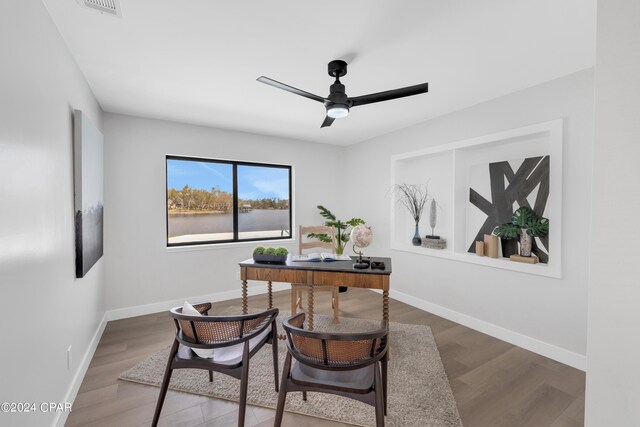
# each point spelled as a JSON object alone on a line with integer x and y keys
{"x": 413, "y": 197}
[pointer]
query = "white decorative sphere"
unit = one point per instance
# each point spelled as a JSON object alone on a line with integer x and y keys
{"x": 361, "y": 236}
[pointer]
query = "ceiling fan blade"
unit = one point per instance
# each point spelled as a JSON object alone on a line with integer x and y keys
{"x": 389, "y": 94}
{"x": 288, "y": 88}
{"x": 327, "y": 122}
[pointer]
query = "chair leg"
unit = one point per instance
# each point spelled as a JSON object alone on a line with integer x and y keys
{"x": 336, "y": 305}
{"x": 165, "y": 384}
{"x": 294, "y": 300}
{"x": 210, "y": 376}
{"x": 282, "y": 395}
{"x": 384, "y": 364}
{"x": 304, "y": 396}
{"x": 378, "y": 397}
{"x": 244, "y": 384}
{"x": 274, "y": 349}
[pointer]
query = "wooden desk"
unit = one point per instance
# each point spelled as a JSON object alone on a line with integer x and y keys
{"x": 337, "y": 273}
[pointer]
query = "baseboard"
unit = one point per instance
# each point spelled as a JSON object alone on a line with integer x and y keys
{"x": 156, "y": 307}
{"x": 551, "y": 351}
{"x": 61, "y": 417}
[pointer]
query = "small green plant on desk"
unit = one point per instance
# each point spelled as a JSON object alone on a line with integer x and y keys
{"x": 262, "y": 254}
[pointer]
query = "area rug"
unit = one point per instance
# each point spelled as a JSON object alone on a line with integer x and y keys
{"x": 419, "y": 391}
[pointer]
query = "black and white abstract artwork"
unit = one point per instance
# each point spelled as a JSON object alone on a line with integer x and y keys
{"x": 88, "y": 186}
{"x": 497, "y": 189}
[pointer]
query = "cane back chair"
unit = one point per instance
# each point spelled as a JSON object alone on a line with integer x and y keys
{"x": 353, "y": 365}
{"x": 234, "y": 340}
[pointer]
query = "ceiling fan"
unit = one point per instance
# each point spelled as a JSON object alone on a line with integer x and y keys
{"x": 338, "y": 103}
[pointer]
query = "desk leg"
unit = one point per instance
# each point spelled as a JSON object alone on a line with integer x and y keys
{"x": 245, "y": 301}
{"x": 270, "y": 292}
{"x": 385, "y": 305}
{"x": 310, "y": 308}
{"x": 385, "y": 316}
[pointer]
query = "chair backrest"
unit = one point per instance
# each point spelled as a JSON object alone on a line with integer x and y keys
{"x": 218, "y": 331}
{"x": 334, "y": 351}
{"x": 315, "y": 244}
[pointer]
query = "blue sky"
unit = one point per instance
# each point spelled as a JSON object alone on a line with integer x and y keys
{"x": 254, "y": 182}
{"x": 201, "y": 175}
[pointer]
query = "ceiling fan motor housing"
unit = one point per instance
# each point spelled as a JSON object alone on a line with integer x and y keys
{"x": 337, "y": 94}
{"x": 337, "y": 68}
{"x": 337, "y": 98}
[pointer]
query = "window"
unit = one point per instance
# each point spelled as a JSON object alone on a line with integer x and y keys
{"x": 216, "y": 201}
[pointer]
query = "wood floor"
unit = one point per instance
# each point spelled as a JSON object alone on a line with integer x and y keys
{"x": 494, "y": 383}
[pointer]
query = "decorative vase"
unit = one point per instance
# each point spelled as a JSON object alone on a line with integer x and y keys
{"x": 526, "y": 242}
{"x": 417, "y": 240}
{"x": 491, "y": 242}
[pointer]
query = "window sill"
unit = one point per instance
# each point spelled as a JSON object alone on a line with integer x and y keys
{"x": 230, "y": 245}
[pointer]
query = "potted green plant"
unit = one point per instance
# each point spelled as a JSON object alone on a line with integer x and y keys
{"x": 524, "y": 224}
{"x": 270, "y": 255}
{"x": 342, "y": 229}
{"x": 342, "y": 232}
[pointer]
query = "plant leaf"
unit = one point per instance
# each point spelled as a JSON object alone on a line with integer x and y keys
{"x": 326, "y": 213}
{"x": 523, "y": 217}
{"x": 507, "y": 231}
{"x": 539, "y": 227}
{"x": 323, "y": 237}
{"x": 355, "y": 221}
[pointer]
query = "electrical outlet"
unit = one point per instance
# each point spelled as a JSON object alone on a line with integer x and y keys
{"x": 237, "y": 275}
{"x": 69, "y": 357}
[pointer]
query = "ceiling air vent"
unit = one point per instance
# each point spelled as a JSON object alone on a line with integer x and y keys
{"x": 111, "y": 7}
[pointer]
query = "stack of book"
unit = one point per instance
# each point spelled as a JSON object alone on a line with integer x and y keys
{"x": 316, "y": 257}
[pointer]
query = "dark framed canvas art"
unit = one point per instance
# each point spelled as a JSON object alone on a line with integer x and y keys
{"x": 88, "y": 188}
{"x": 499, "y": 189}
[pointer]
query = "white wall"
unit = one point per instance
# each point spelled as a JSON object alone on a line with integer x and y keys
{"x": 613, "y": 371}
{"x": 543, "y": 314}
{"x": 44, "y": 308}
{"x": 139, "y": 268}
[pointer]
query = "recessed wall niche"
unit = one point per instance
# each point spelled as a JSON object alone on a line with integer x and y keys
{"x": 452, "y": 169}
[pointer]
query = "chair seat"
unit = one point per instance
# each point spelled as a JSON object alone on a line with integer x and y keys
{"x": 358, "y": 380}
{"x": 231, "y": 355}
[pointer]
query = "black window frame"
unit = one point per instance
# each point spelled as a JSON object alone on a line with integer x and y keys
{"x": 234, "y": 164}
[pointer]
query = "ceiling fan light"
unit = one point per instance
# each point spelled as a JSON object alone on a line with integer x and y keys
{"x": 338, "y": 111}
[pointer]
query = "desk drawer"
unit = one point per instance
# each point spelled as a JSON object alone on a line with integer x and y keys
{"x": 352, "y": 280}
{"x": 276, "y": 275}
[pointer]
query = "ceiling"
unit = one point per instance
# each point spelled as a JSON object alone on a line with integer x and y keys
{"x": 196, "y": 61}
